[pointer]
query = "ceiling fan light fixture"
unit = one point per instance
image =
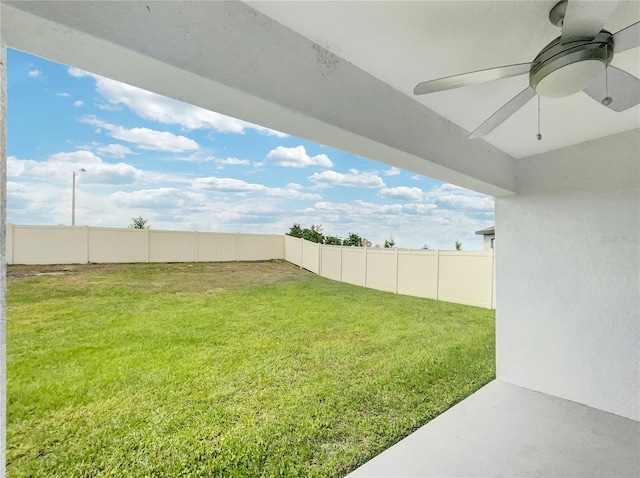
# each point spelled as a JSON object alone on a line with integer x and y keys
{"x": 570, "y": 79}
{"x": 562, "y": 69}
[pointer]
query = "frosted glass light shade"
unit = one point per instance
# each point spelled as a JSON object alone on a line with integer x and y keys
{"x": 570, "y": 78}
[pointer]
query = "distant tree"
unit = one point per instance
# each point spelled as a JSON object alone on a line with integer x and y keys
{"x": 332, "y": 241}
{"x": 389, "y": 243}
{"x": 139, "y": 223}
{"x": 313, "y": 234}
{"x": 366, "y": 242}
{"x": 295, "y": 230}
{"x": 458, "y": 246}
{"x": 353, "y": 240}
{"x": 426, "y": 247}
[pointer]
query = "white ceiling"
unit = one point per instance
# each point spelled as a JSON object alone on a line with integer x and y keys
{"x": 404, "y": 43}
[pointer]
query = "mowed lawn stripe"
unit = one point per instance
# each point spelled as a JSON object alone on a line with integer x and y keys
{"x": 232, "y": 369}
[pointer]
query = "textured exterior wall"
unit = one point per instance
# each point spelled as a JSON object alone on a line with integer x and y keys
{"x": 568, "y": 272}
{"x": 486, "y": 241}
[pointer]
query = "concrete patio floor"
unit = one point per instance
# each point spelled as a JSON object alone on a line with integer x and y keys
{"x": 506, "y": 430}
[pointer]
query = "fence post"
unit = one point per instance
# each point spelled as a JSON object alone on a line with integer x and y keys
{"x": 397, "y": 269}
{"x": 365, "y": 266}
{"x": 319, "y": 259}
{"x": 237, "y": 247}
{"x": 147, "y": 232}
{"x": 437, "y": 274}
{"x": 88, "y": 244}
{"x": 341, "y": 263}
{"x": 301, "y": 252}
{"x": 197, "y": 247}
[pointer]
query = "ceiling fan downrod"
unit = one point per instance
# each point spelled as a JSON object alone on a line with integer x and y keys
{"x": 557, "y": 13}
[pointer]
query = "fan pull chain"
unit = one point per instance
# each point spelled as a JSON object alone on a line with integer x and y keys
{"x": 607, "y": 99}
{"x": 539, "y": 135}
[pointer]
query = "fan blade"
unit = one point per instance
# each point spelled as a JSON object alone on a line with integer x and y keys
{"x": 504, "y": 113}
{"x": 585, "y": 18}
{"x": 624, "y": 89}
{"x": 466, "y": 79}
{"x": 627, "y": 38}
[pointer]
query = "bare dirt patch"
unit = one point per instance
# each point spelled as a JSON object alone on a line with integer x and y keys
{"x": 213, "y": 277}
{"x": 19, "y": 272}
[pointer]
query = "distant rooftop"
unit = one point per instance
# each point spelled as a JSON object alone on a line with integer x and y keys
{"x": 486, "y": 231}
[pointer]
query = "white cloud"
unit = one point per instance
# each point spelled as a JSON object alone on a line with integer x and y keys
{"x": 113, "y": 150}
{"x": 145, "y": 138}
{"x": 393, "y": 171}
{"x": 360, "y": 209}
{"x": 165, "y": 110}
{"x": 108, "y": 107}
{"x": 297, "y": 157}
{"x": 232, "y": 161}
{"x": 34, "y": 73}
{"x": 160, "y": 199}
{"x": 241, "y": 187}
{"x": 416, "y": 177}
{"x": 77, "y": 72}
{"x": 59, "y": 167}
{"x": 65, "y": 94}
{"x": 353, "y": 179}
{"x": 401, "y": 192}
{"x": 78, "y": 103}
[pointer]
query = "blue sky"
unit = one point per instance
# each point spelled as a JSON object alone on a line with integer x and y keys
{"x": 185, "y": 168}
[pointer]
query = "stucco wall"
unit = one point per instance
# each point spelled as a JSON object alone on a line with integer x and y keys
{"x": 568, "y": 323}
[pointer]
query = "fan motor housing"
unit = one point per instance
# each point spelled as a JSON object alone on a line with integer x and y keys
{"x": 562, "y": 69}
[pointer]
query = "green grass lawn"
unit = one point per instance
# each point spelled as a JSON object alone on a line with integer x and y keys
{"x": 227, "y": 369}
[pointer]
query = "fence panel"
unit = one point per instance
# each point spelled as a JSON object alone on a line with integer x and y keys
{"x": 331, "y": 264}
{"x": 493, "y": 280}
{"x": 382, "y": 269}
{"x": 418, "y": 273}
{"x": 173, "y": 246}
{"x": 255, "y": 247}
{"x": 217, "y": 247}
{"x": 278, "y": 246}
{"x": 311, "y": 256}
{"x": 354, "y": 266}
{"x": 293, "y": 250}
{"x": 465, "y": 277}
{"x": 118, "y": 245}
{"x": 49, "y": 245}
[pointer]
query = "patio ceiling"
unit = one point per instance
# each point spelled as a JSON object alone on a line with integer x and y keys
{"x": 404, "y": 43}
{"x": 338, "y": 73}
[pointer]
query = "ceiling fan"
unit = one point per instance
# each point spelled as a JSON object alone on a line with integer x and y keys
{"x": 578, "y": 60}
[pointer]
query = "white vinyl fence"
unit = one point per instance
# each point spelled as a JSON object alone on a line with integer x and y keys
{"x": 81, "y": 245}
{"x": 452, "y": 276}
{"x": 461, "y": 277}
